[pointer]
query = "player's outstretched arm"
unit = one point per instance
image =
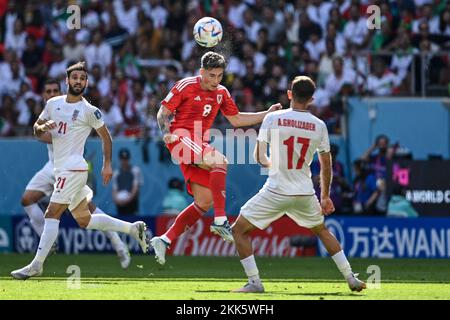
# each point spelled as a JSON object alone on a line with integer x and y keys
{"x": 260, "y": 154}
{"x": 326, "y": 174}
{"x": 163, "y": 118}
{"x": 104, "y": 134}
{"x": 244, "y": 119}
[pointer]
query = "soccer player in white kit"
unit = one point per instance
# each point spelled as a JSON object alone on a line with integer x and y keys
{"x": 294, "y": 135}
{"x": 42, "y": 185}
{"x": 70, "y": 119}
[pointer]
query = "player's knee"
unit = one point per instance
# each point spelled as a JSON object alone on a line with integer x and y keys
{"x": 220, "y": 162}
{"x": 205, "y": 205}
{"x": 238, "y": 229}
{"x": 83, "y": 222}
{"x": 26, "y": 200}
{"x": 317, "y": 230}
{"x": 223, "y": 164}
{"x": 235, "y": 230}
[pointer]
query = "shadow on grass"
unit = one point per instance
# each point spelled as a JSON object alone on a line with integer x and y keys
{"x": 277, "y": 293}
{"x": 110, "y": 280}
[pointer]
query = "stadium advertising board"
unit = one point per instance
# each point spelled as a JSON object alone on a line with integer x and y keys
{"x": 5, "y": 234}
{"x": 391, "y": 237}
{"x": 427, "y": 184}
{"x": 73, "y": 239}
{"x": 273, "y": 242}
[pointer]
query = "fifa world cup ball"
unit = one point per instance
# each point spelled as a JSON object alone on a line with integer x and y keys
{"x": 208, "y": 32}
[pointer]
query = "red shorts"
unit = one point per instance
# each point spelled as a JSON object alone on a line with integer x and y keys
{"x": 190, "y": 154}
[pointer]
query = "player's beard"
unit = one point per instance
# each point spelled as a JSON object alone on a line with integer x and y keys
{"x": 78, "y": 91}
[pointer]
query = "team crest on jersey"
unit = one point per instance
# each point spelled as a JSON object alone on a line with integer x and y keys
{"x": 75, "y": 114}
{"x": 219, "y": 98}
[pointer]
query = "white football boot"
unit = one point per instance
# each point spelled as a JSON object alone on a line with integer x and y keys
{"x": 138, "y": 232}
{"x": 27, "y": 272}
{"x": 159, "y": 246}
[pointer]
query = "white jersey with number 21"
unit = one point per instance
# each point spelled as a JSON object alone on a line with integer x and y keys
{"x": 74, "y": 123}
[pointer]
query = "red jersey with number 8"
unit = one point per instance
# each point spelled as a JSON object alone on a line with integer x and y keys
{"x": 195, "y": 108}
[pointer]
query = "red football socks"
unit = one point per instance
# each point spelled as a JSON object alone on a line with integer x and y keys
{"x": 187, "y": 218}
{"x": 217, "y": 184}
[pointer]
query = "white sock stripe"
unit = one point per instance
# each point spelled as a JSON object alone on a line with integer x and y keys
{"x": 191, "y": 146}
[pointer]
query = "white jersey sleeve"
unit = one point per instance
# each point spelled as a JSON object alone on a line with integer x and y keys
{"x": 94, "y": 117}
{"x": 44, "y": 114}
{"x": 325, "y": 141}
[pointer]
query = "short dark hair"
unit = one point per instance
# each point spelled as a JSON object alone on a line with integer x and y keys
{"x": 302, "y": 89}
{"x": 124, "y": 153}
{"x": 381, "y": 136}
{"x": 79, "y": 66}
{"x": 53, "y": 81}
{"x": 212, "y": 60}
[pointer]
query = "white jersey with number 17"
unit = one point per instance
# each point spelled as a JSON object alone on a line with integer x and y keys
{"x": 294, "y": 137}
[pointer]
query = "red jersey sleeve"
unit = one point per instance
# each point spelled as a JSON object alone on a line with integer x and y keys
{"x": 173, "y": 99}
{"x": 228, "y": 107}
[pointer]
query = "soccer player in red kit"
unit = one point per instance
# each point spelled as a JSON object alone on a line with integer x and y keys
{"x": 185, "y": 116}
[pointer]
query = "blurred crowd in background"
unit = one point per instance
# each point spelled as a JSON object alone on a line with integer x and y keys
{"x": 137, "y": 49}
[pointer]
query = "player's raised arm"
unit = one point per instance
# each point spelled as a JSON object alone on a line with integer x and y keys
{"x": 164, "y": 117}
{"x": 244, "y": 119}
{"x": 107, "y": 172}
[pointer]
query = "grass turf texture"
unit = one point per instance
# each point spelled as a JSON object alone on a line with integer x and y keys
{"x": 211, "y": 278}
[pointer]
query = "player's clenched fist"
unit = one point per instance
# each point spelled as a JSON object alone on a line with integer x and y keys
{"x": 327, "y": 206}
{"x": 107, "y": 174}
{"x": 275, "y": 107}
{"x": 48, "y": 125}
{"x": 170, "y": 138}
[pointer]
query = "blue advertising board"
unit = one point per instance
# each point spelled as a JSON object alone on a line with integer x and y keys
{"x": 391, "y": 237}
{"x": 5, "y": 234}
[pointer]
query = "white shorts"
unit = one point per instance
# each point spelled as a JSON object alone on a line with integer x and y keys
{"x": 43, "y": 180}
{"x": 70, "y": 188}
{"x": 266, "y": 207}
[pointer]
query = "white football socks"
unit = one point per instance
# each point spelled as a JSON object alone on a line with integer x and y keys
{"x": 104, "y": 222}
{"x": 342, "y": 263}
{"x": 251, "y": 270}
{"x": 220, "y": 220}
{"x": 36, "y": 216}
{"x": 113, "y": 236}
{"x": 164, "y": 237}
{"x": 48, "y": 237}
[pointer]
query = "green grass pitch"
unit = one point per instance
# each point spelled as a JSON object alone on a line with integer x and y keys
{"x": 211, "y": 278}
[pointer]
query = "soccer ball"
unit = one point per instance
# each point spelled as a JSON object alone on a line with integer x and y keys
{"x": 208, "y": 32}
